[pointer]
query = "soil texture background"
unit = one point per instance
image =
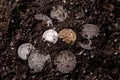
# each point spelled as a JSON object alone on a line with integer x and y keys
{"x": 18, "y": 25}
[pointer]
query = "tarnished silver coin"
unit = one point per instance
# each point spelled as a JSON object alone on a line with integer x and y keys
{"x": 24, "y": 50}
{"x": 59, "y": 12}
{"x": 36, "y": 61}
{"x": 89, "y": 31}
{"x": 44, "y": 18}
{"x": 65, "y": 61}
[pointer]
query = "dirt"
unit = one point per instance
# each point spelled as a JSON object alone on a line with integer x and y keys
{"x": 18, "y": 25}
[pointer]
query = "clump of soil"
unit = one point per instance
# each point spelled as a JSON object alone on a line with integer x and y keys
{"x": 19, "y": 25}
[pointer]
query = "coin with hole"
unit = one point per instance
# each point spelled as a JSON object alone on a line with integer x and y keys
{"x": 44, "y": 18}
{"x": 50, "y": 35}
{"x": 89, "y": 31}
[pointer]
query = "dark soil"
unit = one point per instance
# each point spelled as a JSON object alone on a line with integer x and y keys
{"x": 18, "y": 25}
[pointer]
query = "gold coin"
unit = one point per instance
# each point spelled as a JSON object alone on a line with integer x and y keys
{"x": 68, "y": 35}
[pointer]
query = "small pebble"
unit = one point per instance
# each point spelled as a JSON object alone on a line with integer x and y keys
{"x": 80, "y": 14}
{"x": 109, "y": 7}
